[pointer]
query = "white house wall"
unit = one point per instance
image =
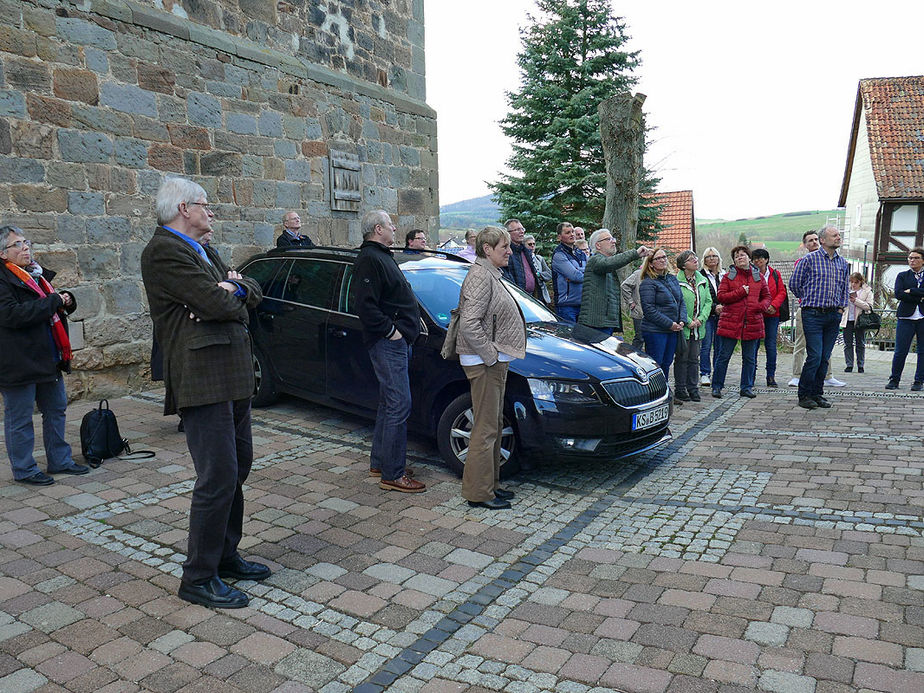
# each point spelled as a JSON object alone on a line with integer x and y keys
{"x": 862, "y": 198}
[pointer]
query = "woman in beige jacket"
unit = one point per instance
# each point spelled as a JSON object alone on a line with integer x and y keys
{"x": 860, "y": 301}
{"x": 492, "y": 332}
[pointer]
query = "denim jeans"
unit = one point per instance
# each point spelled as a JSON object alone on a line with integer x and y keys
{"x": 661, "y": 346}
{"x": 820, "y": 330}
{"x": 707, "y": 360}
{"x": 724, "y": 350}
{"x": 771, "y": 327}
{"x": 390, "y": 358}
{"x": 19, "y": 435}
{"x": 854, "y": 340}
{"x": 905, "y": 331}
{"x": 568, "y": 313}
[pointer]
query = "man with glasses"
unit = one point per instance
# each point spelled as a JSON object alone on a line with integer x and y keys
{"x": 520, "y": 269}
{"x": 415, "y": 241}
{"x": 600, "y": 304}
{"x": 200, "y": 313}
{"x": 819, "y": 281}
{"x": 291, "y": 235}
{"x": 35, "y": 352}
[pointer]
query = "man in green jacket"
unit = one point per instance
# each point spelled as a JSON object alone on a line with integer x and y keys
{"x": 600, "y": 306}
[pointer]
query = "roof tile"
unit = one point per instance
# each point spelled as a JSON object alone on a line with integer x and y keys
{"x": 677, "y": 218}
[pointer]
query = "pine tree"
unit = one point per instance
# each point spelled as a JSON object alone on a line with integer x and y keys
{"x": 572, "y": 59}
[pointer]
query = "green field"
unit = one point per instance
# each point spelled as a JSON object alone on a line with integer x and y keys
{"x": 776, "y": 228}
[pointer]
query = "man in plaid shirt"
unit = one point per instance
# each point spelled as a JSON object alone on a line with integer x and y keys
{"x": 819, "y": 281}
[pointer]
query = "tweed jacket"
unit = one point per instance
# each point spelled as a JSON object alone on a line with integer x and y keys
{"x": 27, "y": 350}
{"x": 209, "y": 360}
{"x": 490, "y": 320}
{"x": 600, "y": 306}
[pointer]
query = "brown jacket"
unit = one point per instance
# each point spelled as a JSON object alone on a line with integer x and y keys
{"x": 206, "y": 361}
{"x": 490, "y": 320}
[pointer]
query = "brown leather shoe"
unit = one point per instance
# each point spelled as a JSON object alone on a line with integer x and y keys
{"x": 405, "y": 484}
{"x": 408, "y": 471}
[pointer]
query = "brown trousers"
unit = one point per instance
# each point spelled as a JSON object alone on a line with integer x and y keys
{"x": 483, "y": 461}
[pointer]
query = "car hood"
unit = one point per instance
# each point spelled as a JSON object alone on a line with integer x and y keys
{"x": 576, "y": 352}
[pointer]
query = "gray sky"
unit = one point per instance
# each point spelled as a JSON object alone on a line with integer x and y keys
{"x": 752, "y": 102}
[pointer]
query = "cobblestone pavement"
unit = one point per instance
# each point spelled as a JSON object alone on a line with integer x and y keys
{"x": 766, "y": 548}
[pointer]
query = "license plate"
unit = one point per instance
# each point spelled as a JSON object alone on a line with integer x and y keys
{"x": 650, "y": 417}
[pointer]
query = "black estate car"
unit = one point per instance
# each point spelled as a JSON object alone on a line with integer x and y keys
{"x": 577, "y": 391}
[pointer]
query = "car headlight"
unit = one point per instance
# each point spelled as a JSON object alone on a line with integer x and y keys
{"x": 562, "y": 391}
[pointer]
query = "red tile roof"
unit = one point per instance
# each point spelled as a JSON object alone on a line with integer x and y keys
{"x": 677, "y": 218}
{"x": 894, "y": 110}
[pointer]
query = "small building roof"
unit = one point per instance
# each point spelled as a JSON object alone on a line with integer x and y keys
{"x": 894, "y": 110}
{"x": 677, "y": 218}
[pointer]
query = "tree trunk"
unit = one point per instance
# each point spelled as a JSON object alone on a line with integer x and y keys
{"x": 622, "y": 131}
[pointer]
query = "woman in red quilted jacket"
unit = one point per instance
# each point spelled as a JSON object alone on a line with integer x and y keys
{"x": 745, "y": 297}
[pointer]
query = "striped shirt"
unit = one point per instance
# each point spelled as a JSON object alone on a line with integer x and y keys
{"x": 820, "y": 281}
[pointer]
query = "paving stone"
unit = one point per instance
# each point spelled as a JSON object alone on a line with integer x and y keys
{"x": 635, "y": 678}
{"x": 49, "y": 617}
{"x": 785, "y": 682}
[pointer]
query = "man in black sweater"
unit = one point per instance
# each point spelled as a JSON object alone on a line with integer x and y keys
{"x": 387, "y": 308}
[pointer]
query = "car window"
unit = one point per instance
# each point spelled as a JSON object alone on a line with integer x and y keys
{"x": 269, "y": 274}
{"x": 438, "y": 291}
{"x": 311, "y": 282}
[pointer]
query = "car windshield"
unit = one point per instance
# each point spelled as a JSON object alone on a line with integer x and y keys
{"x": 438, "y": 291}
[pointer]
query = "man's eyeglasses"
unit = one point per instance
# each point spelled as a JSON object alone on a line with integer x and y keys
{"x": 19, "y": 245}
{"x": 205, "y": 205}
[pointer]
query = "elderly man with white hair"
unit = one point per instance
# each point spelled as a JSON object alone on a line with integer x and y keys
{"x": 600, "y": 302}
{"x": 200, "y": 312}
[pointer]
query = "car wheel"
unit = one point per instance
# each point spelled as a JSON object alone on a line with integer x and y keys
{"x": 454, "y": 431}
{"x": 264, "y": 389}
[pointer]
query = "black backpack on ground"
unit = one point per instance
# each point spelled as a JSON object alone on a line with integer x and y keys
{"x": 100, "y": 438}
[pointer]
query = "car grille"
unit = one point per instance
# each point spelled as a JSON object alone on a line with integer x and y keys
{"x": 632, "y": 393}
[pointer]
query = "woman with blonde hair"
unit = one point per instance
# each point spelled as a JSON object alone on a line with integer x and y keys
{"x": 664, "y": 308}
{"x": 712, "y": 271}
{"x": 860, "y": 300}
{"x": 492, "y": 332}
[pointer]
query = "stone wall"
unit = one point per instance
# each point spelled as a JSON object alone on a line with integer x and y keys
{"x": 100, "y": 99}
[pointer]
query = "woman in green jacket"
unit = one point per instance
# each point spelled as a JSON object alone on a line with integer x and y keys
{"x": 600, "y": 306}
{"x": 695, "y": 289}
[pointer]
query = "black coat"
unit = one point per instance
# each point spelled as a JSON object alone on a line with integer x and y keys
{"x": 27, "y": 350}
{"x": 384, "y": 298}
{"x": 286, "y": 241}
{"x": 907, "y": 302}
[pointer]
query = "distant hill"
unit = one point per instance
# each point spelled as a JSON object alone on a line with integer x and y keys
{"x": 470, "y": 214}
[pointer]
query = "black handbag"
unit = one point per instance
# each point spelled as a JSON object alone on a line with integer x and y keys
{"x": 868, "y": 321}
{"x": 100, "y": 438}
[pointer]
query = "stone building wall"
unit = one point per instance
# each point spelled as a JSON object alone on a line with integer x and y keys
{"x": 253, "y": 99}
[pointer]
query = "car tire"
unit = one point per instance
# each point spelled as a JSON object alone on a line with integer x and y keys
{"x": 264, "y": 389}
{"x": 452, "y": 435}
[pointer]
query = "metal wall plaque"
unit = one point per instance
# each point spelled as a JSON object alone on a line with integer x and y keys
{"x": 345, "y": 195}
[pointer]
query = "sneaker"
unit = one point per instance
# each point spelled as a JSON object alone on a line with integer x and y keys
{"x": 793, "y": 383}
{"x": 834, "y": 382}
{"x": 808, "y": 403}
{"x": 705, "y": 380}
{"x": 917, "y": 387}
{"x": 822, "y": 402}
{"x": 892, "y": 385}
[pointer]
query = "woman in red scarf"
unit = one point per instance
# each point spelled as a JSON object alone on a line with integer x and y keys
{"x": 34, "y": 352}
